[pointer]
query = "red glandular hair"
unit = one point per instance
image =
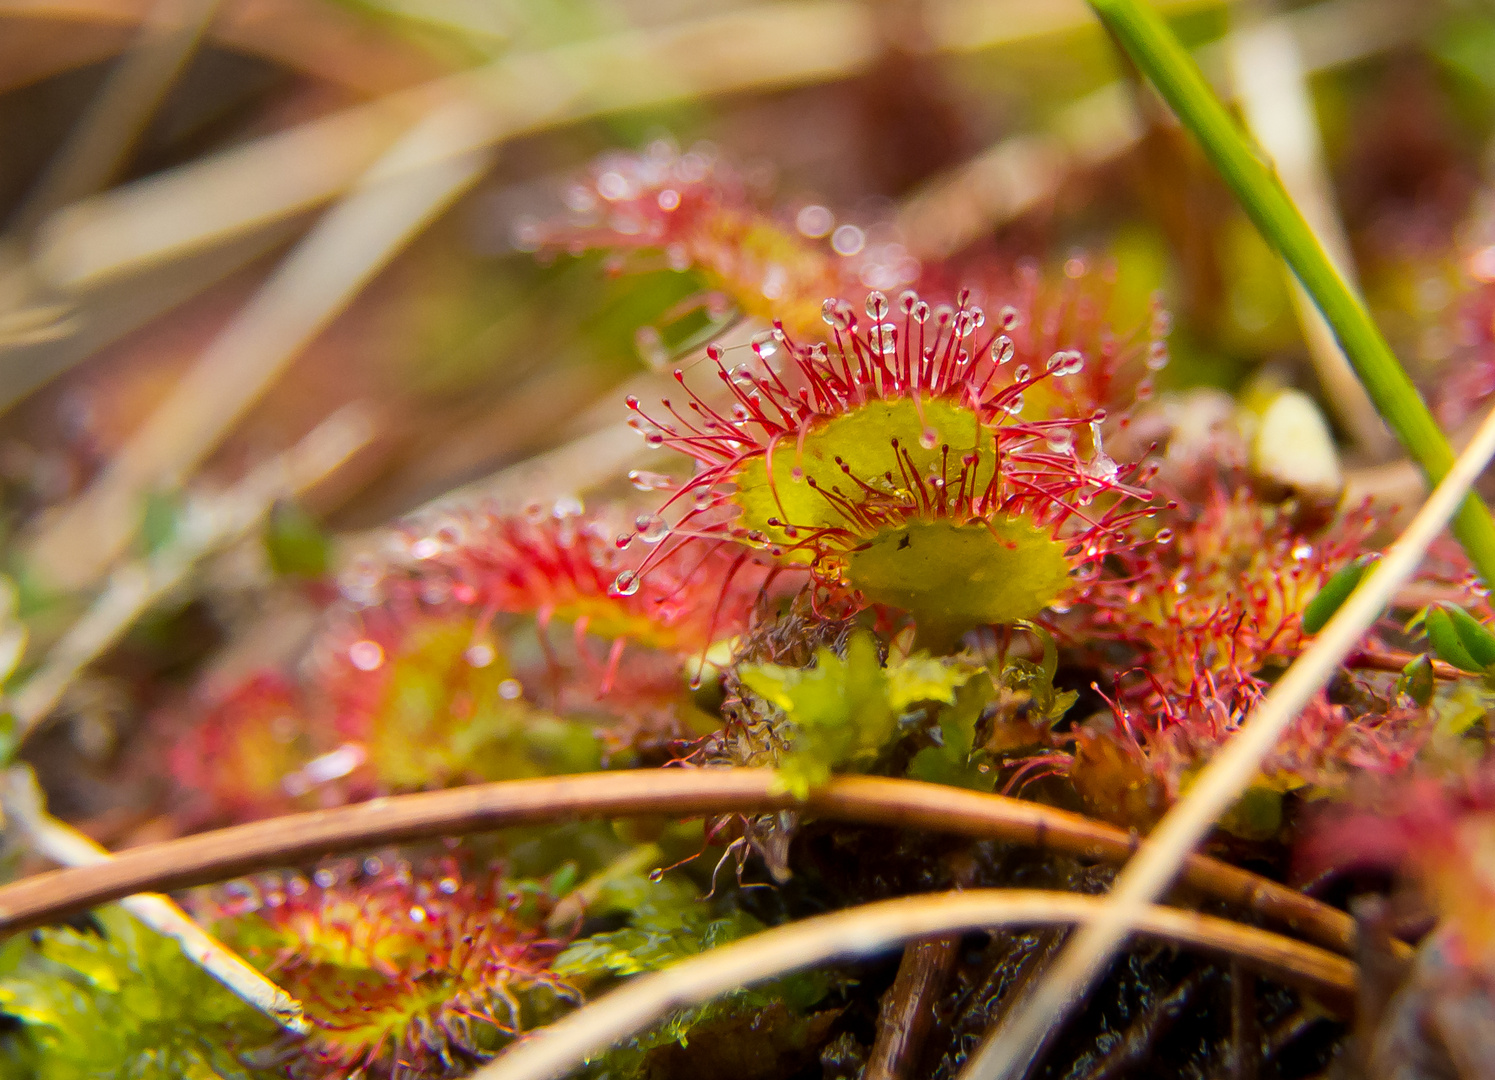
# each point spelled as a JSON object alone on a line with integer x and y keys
{"x": 1220, "y": 593}
{"x": 557, "y": 566}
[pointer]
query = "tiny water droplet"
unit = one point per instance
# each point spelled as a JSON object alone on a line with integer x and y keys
{"x": 1061, "y": 441}
{"x": 1157, "y": 356}
{"x": 886, "y": 338}
{"x": 765, "y": 344}
{"x": 908, "y": 300}
{"x": 626, "y": 583}
{"x": 1002, "y": 350}
{"x": 656, "y": 875}
{"x": 928, "y": 438}
{"x": 1164, "y": 536}
{"x": 1009, "y": 318}
{"x": 920, "y": 313}
{"x": 1013, "y": 405}
{"x": 651, "y": 528}
{"x": 1066, "y": 362}
{"x": 643, "y": 480}
{"x": 877, "y": 306}
{"x": 837, "y": 314}
{"x": 1021, "y": 373}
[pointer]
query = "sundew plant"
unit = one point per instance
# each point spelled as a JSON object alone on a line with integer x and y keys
{"x": 576, "y": 540}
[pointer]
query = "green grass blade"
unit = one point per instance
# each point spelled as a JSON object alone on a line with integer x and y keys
{"x": 1160, "y": 56}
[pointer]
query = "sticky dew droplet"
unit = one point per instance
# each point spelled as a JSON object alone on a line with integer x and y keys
{"x": 651, "y": 528}
{"x": 626, "y": 583}
{"x": 643, "y": 480}
{"x": 837, "y": 314}
{"x": 1065, "y": 362}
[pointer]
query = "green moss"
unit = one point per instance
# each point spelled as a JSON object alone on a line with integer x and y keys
{"x": 841, "y": 713}
{"x": 669, "y": 921}
{"x": 123, "y": 1002}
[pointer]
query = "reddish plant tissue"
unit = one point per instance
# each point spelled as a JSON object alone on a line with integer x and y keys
{"x": 408, "y": 971}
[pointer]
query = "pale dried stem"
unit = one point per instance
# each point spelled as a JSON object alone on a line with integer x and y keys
{"x": 757, "y": 47}
{"x": 865, "y": 931}
{"x": 208, "y": 523}
{"x": 1021, "y": 172}
{"x": 394, "y": 200}
{"x": 1009, "y": 1051}
{"x": 1267, "y": 70}
{"x": 137, "y": 82}
{"x": 678, "y": 793}
{"x": 21, "y": 801}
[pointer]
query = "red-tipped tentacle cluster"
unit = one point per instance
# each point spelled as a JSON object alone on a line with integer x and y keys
{"x": 557, "y": 566}
{"x": 410, "y": 972}
{"x": 234, "y": 762}
{"x": 924, "y": 390}
{"x": 697, "y": 212}
{"x": 1221, "y": 593}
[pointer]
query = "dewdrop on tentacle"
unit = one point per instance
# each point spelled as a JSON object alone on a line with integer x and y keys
{"x": 898, "y": 463}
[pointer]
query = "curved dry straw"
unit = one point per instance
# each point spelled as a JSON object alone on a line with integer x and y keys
{"x": 864, "y": 931}
{"x": 911, "y": 804}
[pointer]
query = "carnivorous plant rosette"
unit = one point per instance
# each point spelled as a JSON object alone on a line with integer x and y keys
{"x": 898, "y": 462}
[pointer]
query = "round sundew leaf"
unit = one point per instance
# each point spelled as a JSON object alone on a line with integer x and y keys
{"x": 863, "y": 439}
{"x": 610, "y": 619}
{"x": 958, "y": 576}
